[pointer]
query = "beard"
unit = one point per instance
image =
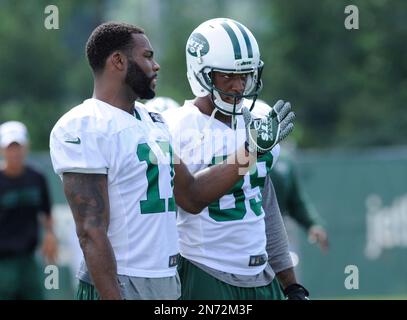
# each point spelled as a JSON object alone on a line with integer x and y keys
{"x": 138, "y": 81}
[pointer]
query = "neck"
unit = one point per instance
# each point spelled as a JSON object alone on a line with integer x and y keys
{"x": 205, "y": 105}
{"x": 117, "y": 96}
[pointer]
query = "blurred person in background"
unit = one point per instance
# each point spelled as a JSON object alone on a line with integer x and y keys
{"x": 24, "y": 199}
{"x": 294, "y": 203}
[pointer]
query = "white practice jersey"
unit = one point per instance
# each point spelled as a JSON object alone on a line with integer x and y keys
{"x": 228, "y": 235}
{"x": 97, "y": 138}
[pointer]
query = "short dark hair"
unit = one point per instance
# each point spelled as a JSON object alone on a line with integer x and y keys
{"x": 107, "y": 38}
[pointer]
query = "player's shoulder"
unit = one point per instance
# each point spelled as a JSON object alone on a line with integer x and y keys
{"x": 92, "y": 116}
{"x": 187, "y": 110}
{"x": 152, "y": 113}
{"x": 187, "y": 115}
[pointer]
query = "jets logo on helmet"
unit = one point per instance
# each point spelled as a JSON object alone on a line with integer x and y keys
{"x": 197, "y": 45}
{"x": 227, "y": 46}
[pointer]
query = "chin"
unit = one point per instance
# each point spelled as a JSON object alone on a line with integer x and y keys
{"x": 148, "y": 96}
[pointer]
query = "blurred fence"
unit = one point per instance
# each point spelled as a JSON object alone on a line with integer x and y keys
{"x": 362, "y": 196}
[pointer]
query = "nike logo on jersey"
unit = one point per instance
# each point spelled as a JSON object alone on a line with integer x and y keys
{"x": 77, "y": 141}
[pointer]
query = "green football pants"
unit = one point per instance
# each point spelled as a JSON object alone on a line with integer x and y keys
{"x": 196, "y": 284}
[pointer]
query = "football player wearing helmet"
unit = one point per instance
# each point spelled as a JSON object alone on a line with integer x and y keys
{"x": 223, "y": 249}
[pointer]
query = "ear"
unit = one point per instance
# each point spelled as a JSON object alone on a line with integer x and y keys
{"x": 118, "y": 60}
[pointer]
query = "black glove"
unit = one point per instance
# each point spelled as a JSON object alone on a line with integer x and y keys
{"x": 296, "y": 291}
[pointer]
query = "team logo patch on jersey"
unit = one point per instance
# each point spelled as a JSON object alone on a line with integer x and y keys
{"x": 173, "y": 261}
{"x": 156, "y": 117}
{"x": 257, "y": 260}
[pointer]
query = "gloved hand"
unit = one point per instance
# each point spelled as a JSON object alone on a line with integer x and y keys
{"x": 296, "y": 291}
{"x": 264, "y": 133}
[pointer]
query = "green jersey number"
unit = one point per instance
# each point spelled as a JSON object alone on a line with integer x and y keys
{"x": 251, "y": 181}
{"x": 153, "y": 203}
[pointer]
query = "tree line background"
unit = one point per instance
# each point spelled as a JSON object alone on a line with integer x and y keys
{"x": 348, "y": 87}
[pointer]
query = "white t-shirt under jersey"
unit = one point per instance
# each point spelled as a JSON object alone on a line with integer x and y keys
{"x": 97, "y": 138}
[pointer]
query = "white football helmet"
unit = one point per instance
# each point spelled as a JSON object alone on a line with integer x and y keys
{"x": 161, "y": 104}
{"x": 227, "y": 46}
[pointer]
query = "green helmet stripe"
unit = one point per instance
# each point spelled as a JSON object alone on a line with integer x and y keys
{"x": 246, "y": 39}
{"x": 235, "y": 41}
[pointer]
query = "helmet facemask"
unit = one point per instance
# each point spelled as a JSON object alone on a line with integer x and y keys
{"x": 252, "y": 88}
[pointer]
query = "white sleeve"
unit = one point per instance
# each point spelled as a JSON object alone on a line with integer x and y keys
{"x": 275, "y": 152}
{"x": 78, "y": 151}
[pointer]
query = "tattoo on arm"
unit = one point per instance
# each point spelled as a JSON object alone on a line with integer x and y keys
{"x": 87, "y": 197}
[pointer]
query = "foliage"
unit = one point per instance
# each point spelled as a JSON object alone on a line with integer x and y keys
{"x": 348, "y": 87}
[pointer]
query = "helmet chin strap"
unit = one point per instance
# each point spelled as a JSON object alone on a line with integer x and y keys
{"x": 222, "y": 105}
{"x": 209, "y": 122}
{"x": 218, "y": 106}
{"x": 233, "y": 122}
